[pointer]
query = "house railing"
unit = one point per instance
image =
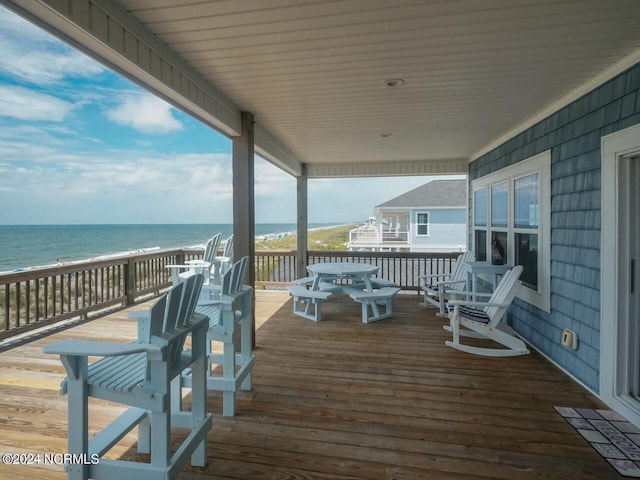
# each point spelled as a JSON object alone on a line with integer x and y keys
{"x": 394, "y": 235}
{"x": 43, "y": 296}
{"x": 367, "y": 233}
{"x": 378, "y": 235}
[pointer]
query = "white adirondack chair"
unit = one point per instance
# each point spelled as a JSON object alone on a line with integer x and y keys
{"x": 140, "y": 375}
{"x": 208, "y": 258}
{"x": 436, "y": 286}
{"x": 230, "y": 314}
{"x": 478, "y": 319}
{"x": 202, "y": 265}
{"x": 222, "y": 264}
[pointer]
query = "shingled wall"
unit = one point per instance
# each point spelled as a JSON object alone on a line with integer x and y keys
{"x": 573, "y": 134}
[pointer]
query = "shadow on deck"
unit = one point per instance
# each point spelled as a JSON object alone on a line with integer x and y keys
{"x": 338, "y": 399}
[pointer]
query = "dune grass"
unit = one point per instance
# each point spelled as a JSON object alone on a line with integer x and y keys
{"x": 326, "y": 239}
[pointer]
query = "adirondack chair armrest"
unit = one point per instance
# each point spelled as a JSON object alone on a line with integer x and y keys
{"x": 451, "y": 282}
{"x": 468, "y": 293}
{"x": 434, "y": 275}
{"x": 210, "y": 303}
{"x": 91, "y": 348}
{"x": 195, "y": 263}
{"x": 139, "y": 315}
{"x": 470, "y": 303}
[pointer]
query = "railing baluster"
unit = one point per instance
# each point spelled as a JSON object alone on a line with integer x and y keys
{"x": 27, "y": 304}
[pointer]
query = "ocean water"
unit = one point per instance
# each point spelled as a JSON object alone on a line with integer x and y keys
{"x": 26, "y": 246}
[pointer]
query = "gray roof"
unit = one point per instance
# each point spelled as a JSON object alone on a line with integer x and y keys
{"x": 436, "y": 193}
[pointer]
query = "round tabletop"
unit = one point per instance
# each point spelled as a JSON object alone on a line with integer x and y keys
{"x": 342, "y": 268}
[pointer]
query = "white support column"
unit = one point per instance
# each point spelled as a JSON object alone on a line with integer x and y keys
{"x": 302, "y": 221}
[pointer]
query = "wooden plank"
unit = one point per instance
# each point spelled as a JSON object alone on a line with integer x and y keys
{"x": 339, "y": 399}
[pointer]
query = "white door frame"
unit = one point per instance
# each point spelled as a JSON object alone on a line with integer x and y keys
{"x": 622, "y": 144}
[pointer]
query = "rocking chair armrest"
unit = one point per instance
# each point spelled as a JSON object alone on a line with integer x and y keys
{"x": 469, "y": 303}
{"x": 91, "y": 348}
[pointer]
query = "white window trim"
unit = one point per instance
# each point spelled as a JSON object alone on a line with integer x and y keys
{"x": 540, "y": 163}
{"x": 423, "y": 235}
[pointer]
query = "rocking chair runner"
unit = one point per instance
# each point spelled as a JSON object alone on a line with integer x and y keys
{"x": 481, "y": 319}
{"x": 437, "y": 292}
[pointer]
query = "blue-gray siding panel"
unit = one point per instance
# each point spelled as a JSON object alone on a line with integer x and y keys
{"x": 573, "y": 134}
{"x": 447, "y": 228}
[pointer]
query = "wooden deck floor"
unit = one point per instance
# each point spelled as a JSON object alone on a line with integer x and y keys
{"x": 339, "y": 400}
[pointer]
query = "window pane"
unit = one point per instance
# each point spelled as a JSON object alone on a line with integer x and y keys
{"x": 481, "y": 245}
{"x": 423, "y": 224}
{"x": 499, "y": 204}
{"x": 526, "y": 201}
{"x": 527, "y": 256}
{"x": 480, "y": 207}
{"x": 499, "y": 248}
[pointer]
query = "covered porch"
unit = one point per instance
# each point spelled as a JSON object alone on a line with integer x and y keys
{"x": 339, "y": 399}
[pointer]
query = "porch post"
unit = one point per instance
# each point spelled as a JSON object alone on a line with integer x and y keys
{"x": 302, "y": 223}
{"x": 243, "y": 195}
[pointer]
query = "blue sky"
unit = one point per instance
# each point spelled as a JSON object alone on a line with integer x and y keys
{"x": 80, "y": 144}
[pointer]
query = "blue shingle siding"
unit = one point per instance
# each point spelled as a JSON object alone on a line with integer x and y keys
{"x": 573, "y": 134}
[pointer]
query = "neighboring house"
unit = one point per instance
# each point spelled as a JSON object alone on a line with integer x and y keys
{"x": 430, "y": 218}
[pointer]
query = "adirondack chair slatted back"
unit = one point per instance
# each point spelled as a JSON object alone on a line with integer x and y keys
{"x": 504, "y": 293}
{"x": 156, "y": 315}
{"x": 172, "y": 312}
{"x": 193, "y": 284}
{"x": 228, "y": 248}
{"x": 173, "y": 307}
{"x": 211, "y": 249}
{"x": 234, "y": 279}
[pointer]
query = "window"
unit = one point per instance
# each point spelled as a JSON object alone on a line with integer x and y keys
{"x": 423, "y": 224}
{"x": 480, "y": 223}
{"x": 510, "y": 207}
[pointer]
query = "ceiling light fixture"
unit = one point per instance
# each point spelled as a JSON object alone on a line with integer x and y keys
{"x": 395, "y": 82}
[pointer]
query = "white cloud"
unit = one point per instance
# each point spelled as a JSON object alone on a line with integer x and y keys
{"x": 24, "y": 104}
{"x": 42, "y": 59}
{"x": 145, "y": 113}
{"x": 271, "y": 181}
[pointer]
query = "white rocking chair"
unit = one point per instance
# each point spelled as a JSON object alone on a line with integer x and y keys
{"x": 481, "y": 319}
{"x": 437, "y": 286}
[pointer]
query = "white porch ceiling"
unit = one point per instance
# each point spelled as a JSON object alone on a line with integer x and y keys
{"x": 313, "y": 72}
